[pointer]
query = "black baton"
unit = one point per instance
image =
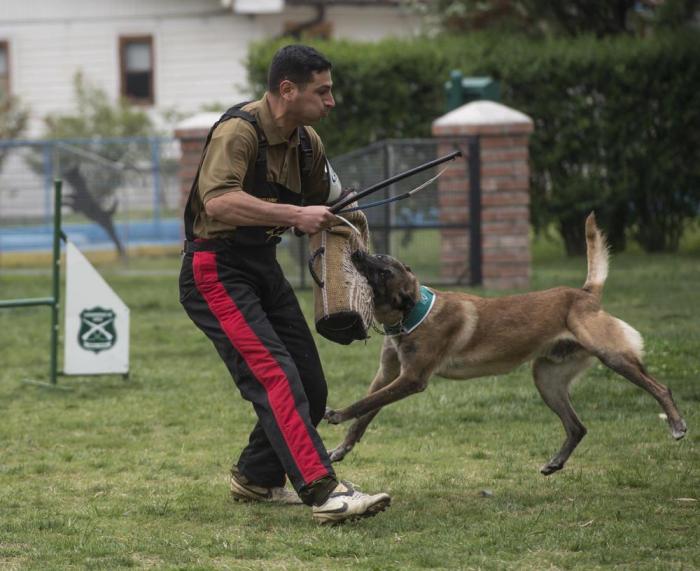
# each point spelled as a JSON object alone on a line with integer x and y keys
{"x": 384, "y": 183}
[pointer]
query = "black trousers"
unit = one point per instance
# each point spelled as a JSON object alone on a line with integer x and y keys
{"x": 241, "y": 300}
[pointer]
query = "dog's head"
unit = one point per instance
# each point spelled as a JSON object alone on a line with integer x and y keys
{"x": 394, "y": 287}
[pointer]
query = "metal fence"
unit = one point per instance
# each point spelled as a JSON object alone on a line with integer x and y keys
{"x": 124, "y": 192}
{"x": 409, "y": 229}
{"x": 118, "y": 192}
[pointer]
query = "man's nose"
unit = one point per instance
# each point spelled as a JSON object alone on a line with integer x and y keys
{"x": 330, "y": 102}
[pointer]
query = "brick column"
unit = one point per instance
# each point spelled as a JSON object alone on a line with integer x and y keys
{"x": 505, "y": 217}
{"x": 192, "y": 133}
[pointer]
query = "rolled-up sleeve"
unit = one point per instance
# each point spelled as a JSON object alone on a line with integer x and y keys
{"x": 231, "y": 152}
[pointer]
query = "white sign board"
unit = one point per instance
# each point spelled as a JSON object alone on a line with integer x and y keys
{"x": 96, "y": 321}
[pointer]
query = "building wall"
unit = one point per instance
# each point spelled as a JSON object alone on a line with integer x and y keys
{"x": 199, "y": 47}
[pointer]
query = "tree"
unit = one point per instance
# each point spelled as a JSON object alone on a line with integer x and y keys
{"x": 93, "y": 181}
{"x": 567, "y": 18}
{"x": 13, "y": 120}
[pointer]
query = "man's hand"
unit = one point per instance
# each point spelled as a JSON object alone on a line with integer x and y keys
{"x": 313, "y": 219}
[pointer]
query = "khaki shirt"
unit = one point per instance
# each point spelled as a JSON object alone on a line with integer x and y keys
{"x": 232, "y": 152}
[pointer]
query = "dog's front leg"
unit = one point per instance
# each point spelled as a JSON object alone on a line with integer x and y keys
{"x": 406, "y": 384}
{"x": 389, "y": 369}
{"x": 355, "y": 433}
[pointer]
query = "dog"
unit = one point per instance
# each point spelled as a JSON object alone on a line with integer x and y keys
{"x": 561, "y": 330}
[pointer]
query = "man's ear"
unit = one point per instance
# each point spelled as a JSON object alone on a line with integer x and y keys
{"x": 287, "y": 88}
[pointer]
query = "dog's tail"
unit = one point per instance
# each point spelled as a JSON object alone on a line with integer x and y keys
{"x": 597, "y": 252}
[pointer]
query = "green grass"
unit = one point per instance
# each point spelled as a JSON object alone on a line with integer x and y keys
{"x": 118, "y": 474}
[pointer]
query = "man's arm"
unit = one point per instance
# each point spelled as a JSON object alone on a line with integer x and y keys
{"x": 230, "y": 153}
{"x": 242, "y": 209}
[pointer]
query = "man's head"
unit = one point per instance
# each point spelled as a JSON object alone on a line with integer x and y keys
{"x": 301, "y": 77}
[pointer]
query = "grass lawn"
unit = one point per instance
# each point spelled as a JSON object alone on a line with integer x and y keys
{"x": 117, "y": 474}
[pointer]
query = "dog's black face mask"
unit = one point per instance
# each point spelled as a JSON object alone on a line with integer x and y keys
{"x": 394, "y": 287}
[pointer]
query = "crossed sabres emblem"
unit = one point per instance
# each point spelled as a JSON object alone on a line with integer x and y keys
{"x": 97, "y": 332}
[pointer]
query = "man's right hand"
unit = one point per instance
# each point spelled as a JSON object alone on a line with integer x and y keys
{"x": 313, "y": 219}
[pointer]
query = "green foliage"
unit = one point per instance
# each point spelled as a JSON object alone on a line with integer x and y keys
{"x": 545, "y": 18}
{"x": 94, "y": 169}
{"x": 611, "y": 134}
{"x": 382, "y": 90}
{"x": 97, "y": 116}
{"x": 99, "y": 165}
{"x": 612, "y": 118}
{"x": 13, "y": 120}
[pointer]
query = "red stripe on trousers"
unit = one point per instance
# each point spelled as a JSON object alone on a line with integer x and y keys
{"x": 263, "y": 365}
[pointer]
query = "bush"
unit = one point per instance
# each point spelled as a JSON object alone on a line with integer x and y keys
{"x": 611, "y": 134}
{"x": 612, "y": 119}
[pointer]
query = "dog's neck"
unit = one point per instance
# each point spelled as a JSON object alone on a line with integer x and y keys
{"x": 412, "y": 316}
{"x": 388, "y": 314}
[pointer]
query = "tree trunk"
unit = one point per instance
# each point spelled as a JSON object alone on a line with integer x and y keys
{"x": 82, "y": 201}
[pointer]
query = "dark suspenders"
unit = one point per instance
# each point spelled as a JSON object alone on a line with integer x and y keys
{"x": 260, "y": 171}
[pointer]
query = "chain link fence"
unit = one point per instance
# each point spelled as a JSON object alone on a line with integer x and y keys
{"x": 121, "y": 194}
{"x": 408, "y": 229}
{"x": 118, "y": 193}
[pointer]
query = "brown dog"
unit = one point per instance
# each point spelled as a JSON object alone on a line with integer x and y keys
{"x": 464, "y": 336}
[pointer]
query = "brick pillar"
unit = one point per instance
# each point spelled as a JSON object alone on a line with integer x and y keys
{"x": 192, "y": 133}
{"x": 505, "y": 217}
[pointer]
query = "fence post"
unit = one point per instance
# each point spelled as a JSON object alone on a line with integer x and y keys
{"x": 155, "y": 173}
{"x": 476, "y": 258}
{"x": 388, "y": 172}
{"x": 504, "y": 180}
{"x": 48, "y": 149}
{"x": 56, "y": 279}
{"x": 54, "y": 301}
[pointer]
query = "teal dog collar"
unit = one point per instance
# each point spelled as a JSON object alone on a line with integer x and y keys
{"x": 419, "y": 312}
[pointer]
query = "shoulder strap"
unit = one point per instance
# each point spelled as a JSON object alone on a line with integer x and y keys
{"x": 260, "y": 162}
{"x": 306, "y": 158}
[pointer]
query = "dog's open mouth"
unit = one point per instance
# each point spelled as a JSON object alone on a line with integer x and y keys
{"x": 360, "y": 260}
{"x": 358, "y": 256}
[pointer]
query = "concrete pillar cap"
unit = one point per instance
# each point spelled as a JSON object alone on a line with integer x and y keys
{"x": 482, "y": 113}
{"x": 202, "y": 120}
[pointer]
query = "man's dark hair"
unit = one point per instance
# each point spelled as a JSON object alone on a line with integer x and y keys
{"x": 296, "y": 63}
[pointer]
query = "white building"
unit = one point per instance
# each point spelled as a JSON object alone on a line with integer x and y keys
{"x": 163, "y": 54}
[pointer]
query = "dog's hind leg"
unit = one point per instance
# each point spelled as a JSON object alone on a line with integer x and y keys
{"x": 553, "y": 378}
{"x": 619, "y": 347}
{"x": 389, "y": 369}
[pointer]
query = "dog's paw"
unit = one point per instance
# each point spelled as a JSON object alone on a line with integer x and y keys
{"x": 333, "y": 417}
{"x": 338, "y": 453}
{"x": 550, "y": 468}
{"x": 679, "y": 430}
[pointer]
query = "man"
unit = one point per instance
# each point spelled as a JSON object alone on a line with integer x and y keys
{"x": 262, "y": 172}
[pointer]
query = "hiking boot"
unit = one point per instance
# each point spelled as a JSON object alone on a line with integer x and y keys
{"x": 246, "y": 492}
{"x": 347, "y": 503}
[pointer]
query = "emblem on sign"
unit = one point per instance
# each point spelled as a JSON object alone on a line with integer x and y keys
{"x": 97, "y": 331}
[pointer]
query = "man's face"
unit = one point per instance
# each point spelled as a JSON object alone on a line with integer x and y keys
{"x": 312, "y": 101}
